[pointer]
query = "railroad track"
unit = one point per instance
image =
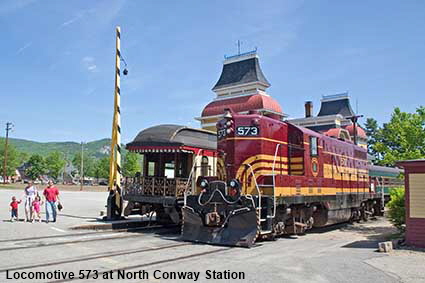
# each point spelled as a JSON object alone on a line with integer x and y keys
{"x": 94, "y": 256}
{"x": 32, "y": 243}
{"x": 134, "y": 229}
{"x": 152, "y": 263}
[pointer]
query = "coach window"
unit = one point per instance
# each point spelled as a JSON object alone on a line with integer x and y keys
{"x": 313, "y": 146}
{"x": 151, "y": 168}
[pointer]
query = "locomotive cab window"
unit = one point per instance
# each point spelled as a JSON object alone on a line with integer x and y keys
{"x": 313, "y": 146}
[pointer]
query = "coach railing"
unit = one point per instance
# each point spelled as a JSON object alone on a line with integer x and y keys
{"x": 155, "y": 186}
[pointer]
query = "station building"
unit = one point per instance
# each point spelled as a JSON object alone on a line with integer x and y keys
{"x": 241, "y": 87}
{"x": 333, "y": 119}
{"x": 414, "y": 201}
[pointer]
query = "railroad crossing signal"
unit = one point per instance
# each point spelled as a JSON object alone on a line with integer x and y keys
{"x": 114, "y": 204}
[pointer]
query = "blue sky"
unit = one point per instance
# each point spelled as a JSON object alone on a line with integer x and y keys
{"x": 58, "y": 59}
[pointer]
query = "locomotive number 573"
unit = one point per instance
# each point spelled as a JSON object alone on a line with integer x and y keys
{"x": 247, "y": 131}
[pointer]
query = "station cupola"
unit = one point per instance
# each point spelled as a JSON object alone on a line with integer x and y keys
{"x": 241, "y": 87}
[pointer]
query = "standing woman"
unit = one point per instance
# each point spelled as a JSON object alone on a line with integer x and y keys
{"x": 30, "y": 192}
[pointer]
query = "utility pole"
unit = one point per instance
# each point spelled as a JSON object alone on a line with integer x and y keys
{"x": 9, "y": 126}
{"x": 82, "y": 167}
{"x": 354, "y": 121}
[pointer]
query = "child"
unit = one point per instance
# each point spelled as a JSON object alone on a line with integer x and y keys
{"x": 36, "y": 204}
{"x": 14, "y": 209}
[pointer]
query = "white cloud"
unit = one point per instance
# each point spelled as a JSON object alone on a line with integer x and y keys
{"x": 79, "y": 15}
{"x": 20, "y": 50}
{"x": 88, "y": 62}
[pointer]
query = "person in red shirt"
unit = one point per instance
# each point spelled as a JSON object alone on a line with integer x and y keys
{"x": 14, "y": 209}
{"x": 51, "y": 195}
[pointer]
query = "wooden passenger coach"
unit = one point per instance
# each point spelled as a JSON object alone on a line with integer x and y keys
{"x": 383, "y": 179}
{"x": 173, "y": 156}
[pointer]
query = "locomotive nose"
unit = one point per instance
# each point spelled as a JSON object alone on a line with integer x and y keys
{"x": 220, "y": 216}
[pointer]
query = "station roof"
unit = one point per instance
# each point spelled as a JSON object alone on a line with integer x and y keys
{"x": 338, "y": 133}
{"x": 167, "y": 135}
{"x": 360, "y": 132}
{"x": 241, "y": 69}
{"x": 336, "y": 104}
{"x": 243, "y": 103}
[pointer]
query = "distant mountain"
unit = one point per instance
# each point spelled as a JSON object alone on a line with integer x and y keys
{"x": 97, "y": 148}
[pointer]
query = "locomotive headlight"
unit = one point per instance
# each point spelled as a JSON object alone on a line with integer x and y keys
{"x": 234, "y": 184}
{"x": 204, "y": 184}
{"x": 235, "y": 188}
{"x": 229, "y": 131}
{"x": 229, "y": 123}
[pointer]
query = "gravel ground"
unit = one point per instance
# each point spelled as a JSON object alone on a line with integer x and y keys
{"x": 342, "y": 253}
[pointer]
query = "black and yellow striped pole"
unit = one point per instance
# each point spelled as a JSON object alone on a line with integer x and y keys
{"x": 114, "y": 207}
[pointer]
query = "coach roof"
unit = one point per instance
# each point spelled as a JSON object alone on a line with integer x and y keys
{"x": 175, "y": 135}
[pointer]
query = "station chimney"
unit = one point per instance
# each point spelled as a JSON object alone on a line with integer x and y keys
{"x": 308, "y": 109}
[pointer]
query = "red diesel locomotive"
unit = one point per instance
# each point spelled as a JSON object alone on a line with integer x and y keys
{"x": 275, "y": 178}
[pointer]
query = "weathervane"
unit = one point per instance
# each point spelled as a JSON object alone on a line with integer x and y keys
{"x": 239, "y": 47}
{"x": 239, "y": 44}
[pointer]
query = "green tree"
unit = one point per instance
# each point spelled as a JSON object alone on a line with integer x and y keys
{"x": 400, "y": 139}
{"x": 55, "y": 163}
{"x": 37, "y": 166}
{"x": 131, "y": 164}
{"x": 372, "y": 129}
{"x": 101, "y": 168}
{"x": 396, "y": 209}
{"x": 13, "y": 160}
{"x": 88, "y": 164}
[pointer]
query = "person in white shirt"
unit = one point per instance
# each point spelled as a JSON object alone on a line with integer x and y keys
{"x": 30, "y": 192}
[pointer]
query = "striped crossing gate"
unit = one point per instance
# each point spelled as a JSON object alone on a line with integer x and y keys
{"x": 114, "y": 205}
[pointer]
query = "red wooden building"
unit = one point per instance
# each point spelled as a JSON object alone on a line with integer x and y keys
{"x": 415, "y": 201}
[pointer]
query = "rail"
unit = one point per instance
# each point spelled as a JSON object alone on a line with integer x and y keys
{"x": 155, "y": 186}
{"x": 274, "y": 180}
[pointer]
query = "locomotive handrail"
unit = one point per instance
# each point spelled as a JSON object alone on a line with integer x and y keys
{"x": 190, "y": 176}
{"x": 211, "y": 197}
{"x": 258, "y": 189}
{"x": 274, "y": 181}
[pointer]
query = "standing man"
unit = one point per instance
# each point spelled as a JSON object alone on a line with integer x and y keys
{"x": 51, "y": 194}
